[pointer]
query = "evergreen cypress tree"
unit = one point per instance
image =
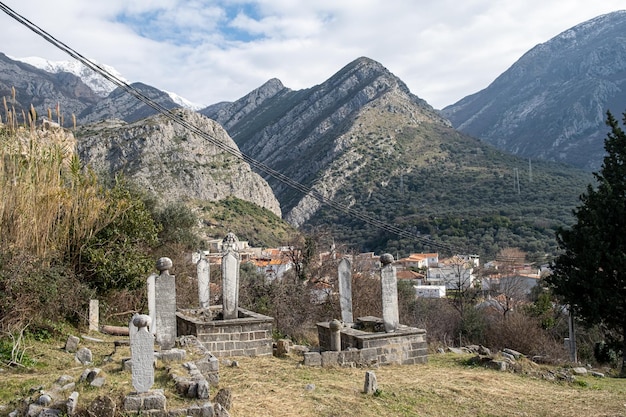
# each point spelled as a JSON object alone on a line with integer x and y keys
{"x": 590, "y": 274}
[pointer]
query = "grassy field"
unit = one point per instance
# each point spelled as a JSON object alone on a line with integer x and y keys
{"x": 268, "y": 386}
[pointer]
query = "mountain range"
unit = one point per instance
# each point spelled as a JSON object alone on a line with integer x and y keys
{"x": 551, "y": 104}
{"x": 363, "y": 140}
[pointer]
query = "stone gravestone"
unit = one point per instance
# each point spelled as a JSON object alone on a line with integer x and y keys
{"x": 150, "y": 285}
{"x": 344, "y": 273}
{"x": 94, "y": 315}
{"x": 165, "y": 302}
{"x": 230, "y": 277}
{"x": 204, "y": 291}
{"x": 142, "y": 353}
{"x": 371, "y": 384}
{"x": 389, "y": 283}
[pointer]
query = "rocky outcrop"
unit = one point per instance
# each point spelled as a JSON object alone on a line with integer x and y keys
{"x": 122, "y": 105}
{"x": 551, "y": 104}
{"x": 174, "y": 163}
{"x": 312, "y": 135}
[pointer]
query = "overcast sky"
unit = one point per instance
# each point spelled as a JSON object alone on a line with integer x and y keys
{"x": 211, "y": 51}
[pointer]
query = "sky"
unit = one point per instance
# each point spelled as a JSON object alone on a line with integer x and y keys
{"x": 211, "y": 51}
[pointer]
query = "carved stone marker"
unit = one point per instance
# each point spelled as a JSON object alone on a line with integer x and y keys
{"x": 94, "y": 315}
{"x": 371, "y": 384}
{"x": 344, "y": 273}
{"x": 204, "y": 291}
{"x": 389, "y": 283}
{"x": 230, "y": 277}
{"x": 165, "y": 302}
{"x": 150, "y": 285}
{"x": 142, "y": 353}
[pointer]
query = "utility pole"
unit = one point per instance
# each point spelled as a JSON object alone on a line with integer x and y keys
{"x": 573, "y": 357}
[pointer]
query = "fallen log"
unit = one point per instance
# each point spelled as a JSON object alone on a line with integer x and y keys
{"x": 114, "y": 330}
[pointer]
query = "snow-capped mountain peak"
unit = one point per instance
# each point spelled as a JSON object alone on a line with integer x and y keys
{"x": 184, "y": 102}
{"x": 93, "y": 80}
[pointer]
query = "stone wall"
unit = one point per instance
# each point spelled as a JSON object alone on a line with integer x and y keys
{"x": 405, "y": 346}
{"x": 248, "y": 335}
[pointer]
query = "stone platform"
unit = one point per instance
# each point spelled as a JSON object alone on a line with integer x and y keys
{"x": 248, "y": 335}
{"x": 364, "y": 344}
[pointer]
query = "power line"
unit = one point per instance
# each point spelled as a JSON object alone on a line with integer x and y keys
{"x": 177, "y": 118}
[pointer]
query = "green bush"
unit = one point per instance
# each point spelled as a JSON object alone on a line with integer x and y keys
{"x": 177, "y": 223}
{"x": 119, "y": 255}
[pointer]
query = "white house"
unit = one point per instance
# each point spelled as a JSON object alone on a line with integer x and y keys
{"x": 430, "y": 291}
{"x": 452, "y": 276}
{"x": 419, "y": 260}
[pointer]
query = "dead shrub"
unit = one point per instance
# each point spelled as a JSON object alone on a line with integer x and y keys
{"x": 524, "y": 334}
{"x": 366, "y": 295}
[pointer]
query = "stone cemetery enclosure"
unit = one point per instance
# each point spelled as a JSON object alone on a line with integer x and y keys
{"x": 226, "y": 330}
{"x": 361, "y": 345}
{"x": 370, "y": 340}
{"x": 248, "y": 335}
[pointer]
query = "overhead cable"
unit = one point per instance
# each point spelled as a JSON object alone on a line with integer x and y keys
{"x": 179, "y": 119}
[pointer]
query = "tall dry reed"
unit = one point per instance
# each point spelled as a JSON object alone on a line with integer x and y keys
{"x": 49, "y": 206}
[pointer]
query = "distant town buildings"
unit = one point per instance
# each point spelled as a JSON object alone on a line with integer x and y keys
{"x": 430, "y": 276}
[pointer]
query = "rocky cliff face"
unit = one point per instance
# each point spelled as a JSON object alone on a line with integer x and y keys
{"x": 170, "y": 161}
{"x": 121, "y": 105}
{"x": 551, "y": 104}
{"x": 316, "y": 136}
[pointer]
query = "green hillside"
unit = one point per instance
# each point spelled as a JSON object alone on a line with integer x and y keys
{"x": 453, "y": 190}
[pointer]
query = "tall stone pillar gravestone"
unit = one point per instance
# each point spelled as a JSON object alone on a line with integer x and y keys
{"x": 165, "y": 302}
{"x": 204, "y": 274}
{"x": 150, "y": 285}
{"x": 142, "y": 353}
{"x": 230, "y": 277}
{"x": 94, "y": 315}
{"x": 344, "y": 273}
{"x": 389, "y": 283}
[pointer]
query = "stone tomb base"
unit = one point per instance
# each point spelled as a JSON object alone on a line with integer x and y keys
{"x": 366, "y": 344}
{"x": 248, "y": 335}
{"x": 146, "y": 403}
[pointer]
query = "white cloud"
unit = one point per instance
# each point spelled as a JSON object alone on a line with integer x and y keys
{"x": 209, "y": 51}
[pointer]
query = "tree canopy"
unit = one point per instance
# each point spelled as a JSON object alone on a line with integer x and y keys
{"x": 590, "y": 274}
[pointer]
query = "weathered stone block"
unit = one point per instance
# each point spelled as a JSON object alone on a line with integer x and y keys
{"x": 154, "y": 401}
{"x": 312, "y": 359}
{"x": 330, "y": 358}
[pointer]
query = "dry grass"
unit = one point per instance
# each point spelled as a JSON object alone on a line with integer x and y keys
{"x": 271, "y": 387}
{"x": 444, "y": 387}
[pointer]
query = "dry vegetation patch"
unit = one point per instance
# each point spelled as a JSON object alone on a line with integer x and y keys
{"x": 268, "y": 386}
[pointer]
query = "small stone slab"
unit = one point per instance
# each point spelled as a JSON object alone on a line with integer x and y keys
{"x": 371, "y": 384}
{"x": 84, "y": 356}
{"x": 512, "y": 352}
{"x": 71, "y": 345}
{"x": 71, "y": 403}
